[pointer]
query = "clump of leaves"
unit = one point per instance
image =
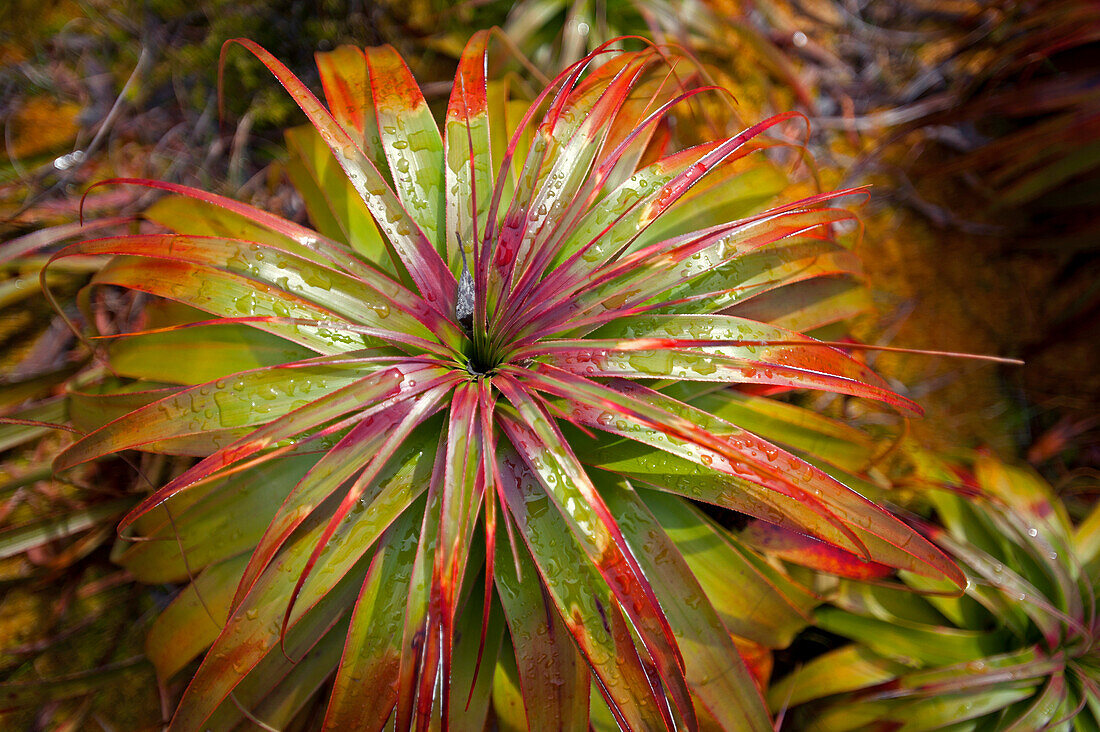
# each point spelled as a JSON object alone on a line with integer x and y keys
{"x": 1017, "y": 651}
{"x": 46, "y": 524}
{"x": 449, "y": 439}
{"x": 553, "y": 34}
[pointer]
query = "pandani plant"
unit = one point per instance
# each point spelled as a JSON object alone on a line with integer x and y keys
{"x": 448, "y": 444}
{"x": 1017, "y": 651}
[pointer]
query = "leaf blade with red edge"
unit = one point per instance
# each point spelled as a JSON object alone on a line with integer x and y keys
{"x": 583, "y": 600}
{"x": 469, "y": 173}
{"x": 692, "y": 272}
{"x": 755, "y": 354}
{"x": 802, "y": 430}
{"x": 371, "y": 655}
{"x": 542, "y": 447}
{"x": 278, "y": 689}
{"x": 422, "y": 262}
{"x": 463, "y": 490}
{"x": 199, "y": 212}
{"x": 260, "y": 445}
{"x": 419, "y": 644}
{"x": 251, "y": 274}
{"x": 185, "y": 411}
{"x": 410, "y": 140}
{"x": 254, "y": 631}
{"x": 850, "y": 521}
{"x": 575, "y": 138}
{"x": 715, "y": 672}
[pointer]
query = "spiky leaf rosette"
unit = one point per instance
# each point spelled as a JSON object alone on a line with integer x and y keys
{"x": 1018, "y": 651}
{"x": 439, "y": 453}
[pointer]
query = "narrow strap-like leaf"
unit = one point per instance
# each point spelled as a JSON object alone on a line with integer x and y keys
{"x": 541, "y": 445}
{"x": 584, "y": 601}
{"x": 847, "y": 519}
{"x": 469, "y": 170}
{"x": 715, "y": 672}
{"x": 420, "y": 642}
{"x": 717, "y": 348}
{"x": 230, "y": 402}
{"x": 463, "y": 488}
{"x": 422, "y": 262}
{"x": 376, "y": 301}
{"x": 552, "y": 672}
{"x": 411, "y": 142}
{"x": 365, "y": 689}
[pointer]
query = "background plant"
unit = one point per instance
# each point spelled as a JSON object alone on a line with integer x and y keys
{"x": 1017, "y": 651}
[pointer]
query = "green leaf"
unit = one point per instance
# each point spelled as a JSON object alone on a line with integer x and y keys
{"x": 372, "y": 652}
{"x": 278, "y": 688}
{"x": 922, "y": 715}
{"x": 193, "y": 621}
{"x": 808, "y": 305}
{"x": 715, "y": 672}
{"x": 541, "y": 447}
{"x": 186, "y": 215}
{"x": 909, "y": 642}
{"x": 752, "y": 599}
{"x": 552, "y": 672}
{"x": 421, "y": 260}
{"x": 334, "y": 206}
{"x": 845, "y": 669}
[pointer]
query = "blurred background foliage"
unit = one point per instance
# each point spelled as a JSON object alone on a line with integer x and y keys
{"x": 976, "y": 124}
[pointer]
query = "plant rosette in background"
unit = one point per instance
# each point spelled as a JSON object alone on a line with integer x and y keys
{"x": 1016, "y": 652}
